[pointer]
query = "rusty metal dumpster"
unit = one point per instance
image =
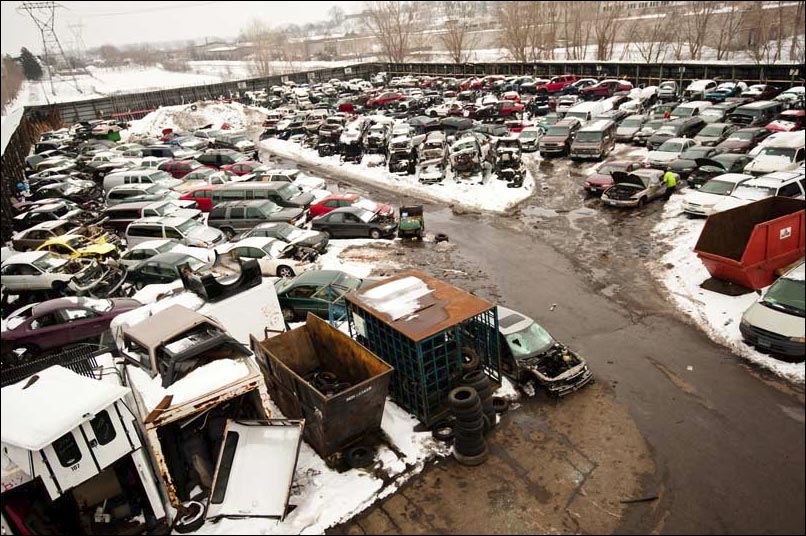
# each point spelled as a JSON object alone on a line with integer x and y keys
{"x": 747, "y": 244}
{"x": 333, "y": 421}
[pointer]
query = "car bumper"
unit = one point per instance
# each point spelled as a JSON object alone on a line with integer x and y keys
{"x": 629, "y": 203}
{"x": 585, "y": 156}
{"x": 569, "y": 385}
{"x": 552, "y": 150}
{"x": 766, "y": 341}
{"x": 697, "y": 210}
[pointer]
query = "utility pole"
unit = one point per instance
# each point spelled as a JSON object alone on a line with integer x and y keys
{"x": 44, "y": 16}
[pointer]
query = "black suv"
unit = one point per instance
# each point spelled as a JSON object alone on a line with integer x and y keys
{"x": 239, "y": 216}
{"x": 221, "y": 157}
{"x": 683, "y": 127}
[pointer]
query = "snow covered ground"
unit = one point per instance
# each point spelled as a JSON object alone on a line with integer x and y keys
{"x": 184, "y": 117}
{"x": 718, "y": 315}
{"x": 493, "y": 196}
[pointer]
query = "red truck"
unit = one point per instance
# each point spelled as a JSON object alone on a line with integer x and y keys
{"x": 556, "y": 84}
{"x": 605, "y": 88}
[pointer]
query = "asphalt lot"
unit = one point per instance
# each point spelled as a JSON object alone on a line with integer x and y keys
{"x": 673, "y": 415}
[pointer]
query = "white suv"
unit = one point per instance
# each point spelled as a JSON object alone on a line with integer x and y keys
{"x": 187, "y": 231}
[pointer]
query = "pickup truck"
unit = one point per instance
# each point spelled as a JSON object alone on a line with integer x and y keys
{"x": 556, "y": 84}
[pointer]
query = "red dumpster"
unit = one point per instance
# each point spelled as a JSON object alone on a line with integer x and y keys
{"x": 745, "y": 245}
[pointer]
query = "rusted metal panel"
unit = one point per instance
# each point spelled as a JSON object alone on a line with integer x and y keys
{"x": 332, "y": 423}
{"x": 443, "y": 308}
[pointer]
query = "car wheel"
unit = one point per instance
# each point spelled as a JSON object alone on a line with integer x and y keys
{"x": 59, "y": 287}
{"x": 139, "y": 285}
{"x": 228, "y": 232}
{"x": 374, "y": 234}
{"x": 285, "y": 271}
{"x": 288, "y": 314}
{"x": 328, "y": 234}
{"x": 191, "y": 518}
{"x": 642, "y": 202}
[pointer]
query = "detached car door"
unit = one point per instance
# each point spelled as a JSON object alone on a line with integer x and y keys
{"x": 255, "y": 469}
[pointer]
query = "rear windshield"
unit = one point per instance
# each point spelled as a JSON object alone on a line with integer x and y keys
{"x": 558, "y": 131}
{"x": 779, "y": 151}
{"x": 589, "y": 136}
{"x": 718, "y": 187}
{"x": 682, "y": 111}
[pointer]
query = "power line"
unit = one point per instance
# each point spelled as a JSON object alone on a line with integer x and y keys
{"x": 183, "y": 5}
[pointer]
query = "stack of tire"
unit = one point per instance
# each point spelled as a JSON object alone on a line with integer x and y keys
{"x": 469, "y": 446}
{"x": 479, "y": 381}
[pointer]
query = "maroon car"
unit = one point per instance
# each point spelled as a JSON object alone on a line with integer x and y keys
{"x": 56, "y": 323}
{"x": 179, "y": 168}
{"x": 383, "y": 99}
{"x": 605, "y": 88}
{"x": 744, "y": 139}
{"x": 603, "y": 179}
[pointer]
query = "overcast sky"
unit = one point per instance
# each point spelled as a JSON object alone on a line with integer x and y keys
{"x": 133, "y": 22}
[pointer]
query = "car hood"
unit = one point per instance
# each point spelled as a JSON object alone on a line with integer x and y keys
{"x": 708, "y": 163}
{"x": 630, "y": 179}
{"x": 286, "y": 213}
{"x": 627, "y": 130}
{"x": 680, "y": 164}
{"x": 702, "y": 198}
{"x": 660, "y": 156}
{"x": 204, "y": 233}
{"x": 97, "y": 249}
{"x": 774, "y": 320}
{"x": 764, "y": 163}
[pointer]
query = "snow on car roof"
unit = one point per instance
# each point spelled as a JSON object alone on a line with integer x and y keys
{"x": 151, "y": 244}
{"x": 26, "y": 258}
{"x": 798, "y": 273}
{"x": 37, "y": 412}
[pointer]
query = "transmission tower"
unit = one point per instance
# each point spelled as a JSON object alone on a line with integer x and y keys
{"x": 77, "y": 29}
{"x": 44, "y": 16}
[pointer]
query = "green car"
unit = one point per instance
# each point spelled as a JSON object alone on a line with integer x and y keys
{"x": 316, "y": 292}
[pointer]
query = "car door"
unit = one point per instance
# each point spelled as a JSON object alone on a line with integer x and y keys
{"x": 335, "y": 224}
{"x": 354, "y": 227}
{"x": 301, "y": 299}
{"x": 237, "y": 218}
{"x": 79, "y": 323}
{"x": 47, "y": 331}
{"x": 151, "y": 273}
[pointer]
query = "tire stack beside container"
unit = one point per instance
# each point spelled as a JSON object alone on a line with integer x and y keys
{"x": 469, "y": 446}
{"x": 479, "y": 381}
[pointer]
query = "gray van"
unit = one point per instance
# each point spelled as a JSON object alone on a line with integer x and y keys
{"x": 283, "y": 194}
{"x": 755, "y": 114}
{"x": 140, "y": 176}
{"x": 594, "y": 140}
{"x": 237, "y": 216}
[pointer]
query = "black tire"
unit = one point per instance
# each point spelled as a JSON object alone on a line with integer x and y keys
{"x": 468, "y": 421}
{"x": 473, "y": 448}
{"x": 468, "y": 427}
{"x": 642, "y": 202}
{"x": 477, "y": 380}
{"x": 470, "y": 360}
{"x": 472, "y": 461}
{"x": 441, "y": 237}
{"x": 327, "y": 233}
{"x": 289, "y": 315}
{"x": 467, "y": 413}
{"x": 463, "y": 398}
{"x": 443, "y": 431}
{"x": 374, "y": 234}
{"x": 359, "y": 456}
{"x": 229, "y": 232}
{"x": 59, "y": 288}
{"x": 285, "y": 271}
{"x": 500, "y": 404}
{"x": 191, "y": 519}
{"x": 138, "y": 285}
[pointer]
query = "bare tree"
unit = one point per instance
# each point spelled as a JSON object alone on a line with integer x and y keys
{"x": 456, "y": 36}
{"x": 336, "y": 14}
{"x": 761, "y": 21}
{"x": 651, "y": 38}
{"x": 260, "y": 36}
{"x": 696, "y": 26}
{"x": 796, "y": 49}
{"x": 727, "y": 29}
{"x": 392, "y": 22}
{"x": 515, "y": 31}
{"x": 576, "y": 29}
{"x": 605, "y": 27}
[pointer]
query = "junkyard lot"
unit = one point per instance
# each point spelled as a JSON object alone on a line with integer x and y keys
{"x": 727, "y": 441}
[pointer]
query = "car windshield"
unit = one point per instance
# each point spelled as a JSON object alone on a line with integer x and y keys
{"x": 712, "y": 131}
{"x": 78, "y": 242}
{"x": 788, "y": 295}
{"x": 682, "y": 111}
{"x": 289, "y": 191}
{"x": 275, "y": 249}
{"x": 718, "y": 187}
{"x": 789, "y": 154}
{"x": 347, "y": 281}
{"x": 753, "y": 191}
{"x": 631, "y": 123}
{"x": 530, "y": 341}
{"x": 671, "y": 147}
{"x": 366, "y": 204}
{"x": 99, "y": 306}
{"x": 745, "y": 135}
{"x": 654, "y": 124}
{"x": 156, "y": 189}
{"x": 166, "y": 247}
{"x": 667, "y": 129}
{"x": 557, "y": 131}
{"x": 528, "y": 134}
{"x": 589, "y": 136}
{"x": 607, "y": 169}
{"x": 49, "y": 262}
{"x": 696, "y": 152}
{"x": 187, "y": 226}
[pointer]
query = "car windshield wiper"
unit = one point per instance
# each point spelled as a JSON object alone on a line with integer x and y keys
{"x": 784, "y": 307}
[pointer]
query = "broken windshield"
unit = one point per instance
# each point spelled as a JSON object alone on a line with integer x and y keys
{"x": 530, "y": 341}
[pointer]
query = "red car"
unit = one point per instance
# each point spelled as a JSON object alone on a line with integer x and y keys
{"x": 179, "y": 168}
{"x": 202, "y": 196}
{"x": 516, "y": 125}
{"x": 55, "y": 323}
{"x": 383, "y": 99}
{"x": 600, "y": 181}
{"x": 788, "y": 121}
{"x": 332, "y": 202}
{"x": 557, "y": 83}
{"x": 470, "y": 83}
{"x": 507, "y": 108}
{"x": 605, "y": 88}
{"x": 242, "y": 168}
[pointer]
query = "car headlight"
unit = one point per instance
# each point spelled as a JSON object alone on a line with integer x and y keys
{"x": 798, "y": 339}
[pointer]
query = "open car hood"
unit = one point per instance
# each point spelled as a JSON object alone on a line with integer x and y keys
{"x": 707, "y": 162}
{"x": 621, "y": 177}
{"x": 227, "y": 276}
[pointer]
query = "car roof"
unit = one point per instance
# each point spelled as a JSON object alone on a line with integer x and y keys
{"x": 59, "y": 303}
{"x": 351, "y": 209}
{"x": 136, "y": 186}
{"x": 152, "y": 244}
{"x": 245, "y": 203}
{"x": 169, "y": 257}
{"x": 774, "y": 180}
{"x": 596, "y": 126}
{"x": 510, "y": 321}
{"x": 164, "y": 220}
{"x": 732, "y": 177}
{"x": 26, "y": 257}
{"x": 252, "y": 241}
{"x": 318, "y": 277}
{"x": 48, "y": 225}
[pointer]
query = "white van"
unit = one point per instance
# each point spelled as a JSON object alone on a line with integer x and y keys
{"x": 775, "y": 323}
{"x": 690, "y": 109}
{"x": 585, "y": 111}
{"x": 140, "y": 176}
{"x": 187, "y": 231}
{"x": 784, "y": 154}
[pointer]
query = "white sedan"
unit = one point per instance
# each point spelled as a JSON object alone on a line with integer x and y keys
{"x": 269, "y": 252}
{"x": 669, "y": 150}
{"x": 702, "y": 202}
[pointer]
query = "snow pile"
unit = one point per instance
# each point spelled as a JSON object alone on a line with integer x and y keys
{"x": 184, "y": 117}
{"x": 493, "y": 196}
{"x": 397, "y": 298}
{"x": 718, "y": 315}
